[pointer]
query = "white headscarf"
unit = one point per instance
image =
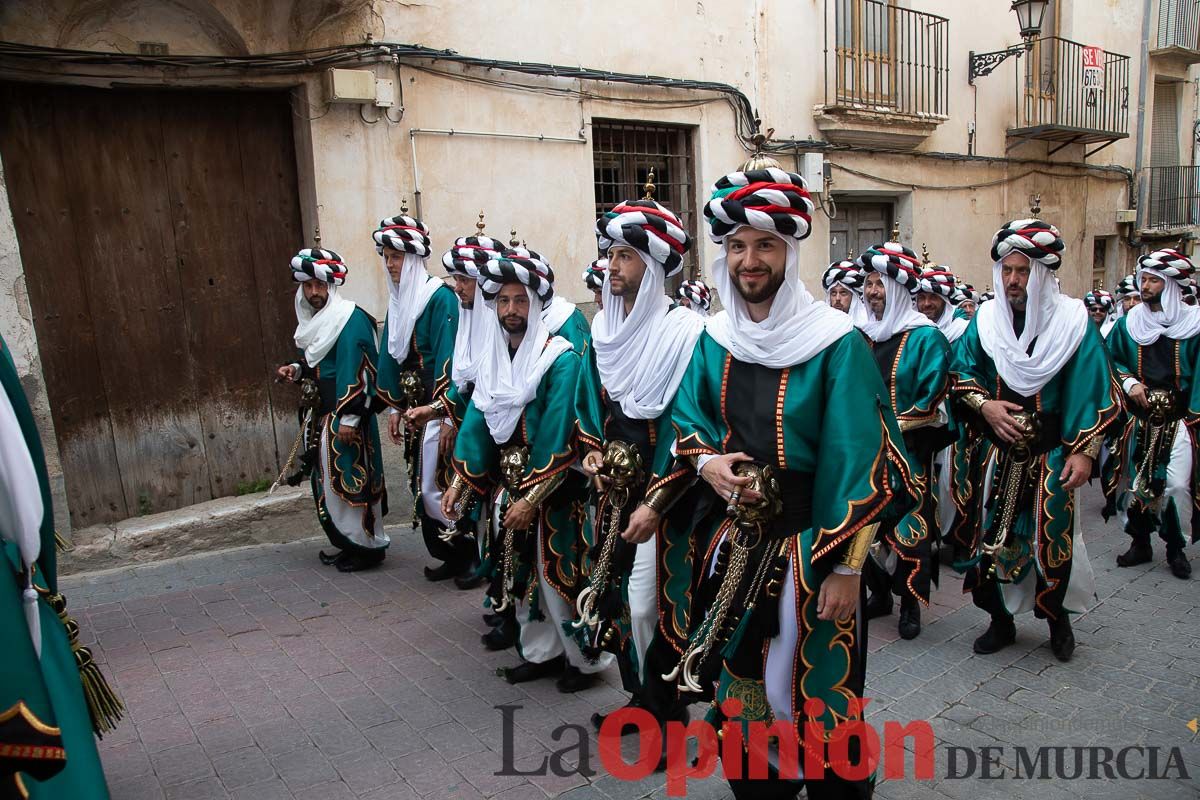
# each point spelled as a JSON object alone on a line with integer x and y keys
{"x": 1177, "y": 320}
{"x": 952, "y": 327}
{"x": 317, "y": 331}
{"x": 472, "y": 341}
{"x": 641, "y": 358}
{"x": 1057, "y": 322}
{"x": 899, "y": 315}
{"x": 796, "y": 329}
{"x": 406, "y": 302}
{"x": 505, "y": 386}
{"x": 557, "y": 312}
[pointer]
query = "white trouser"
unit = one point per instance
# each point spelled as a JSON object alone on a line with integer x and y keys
{"x": 345, "y": 517}
{"x": 544, "y": 639}
{"x": 643, "y": 600}
{"x": 1081, "y": 589}
{"x": 945, "y": 498}
{"x": 1178, "y": 491}
{"x": 431, "y": 495}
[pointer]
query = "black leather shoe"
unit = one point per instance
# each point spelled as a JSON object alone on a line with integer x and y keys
{"x": 528, "y": 671}
{"x": 503, "y": 636}
{"x": 1138, "y": 553}
{"x": 879, "y": 605}
{"x": 1062, "y": 638}
{"x": 441, "y": 573}
{"x": 329, "y": 559}
{"x": 1000, "y": 634}
{"x": 468, "y": 580}
{"x": 1180, "y": 567}
{"x": 598, "y": 718}
{"x": 910, "y": 618}
{"x": 572, "y": 680}
{"x": 356, "y": 562}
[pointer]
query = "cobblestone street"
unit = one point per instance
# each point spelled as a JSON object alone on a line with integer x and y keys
{"x": 257, "y": 673}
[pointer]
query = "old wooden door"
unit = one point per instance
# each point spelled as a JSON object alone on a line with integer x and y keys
{"x": 155, "y": 228}
{"x": 858, "y": 225}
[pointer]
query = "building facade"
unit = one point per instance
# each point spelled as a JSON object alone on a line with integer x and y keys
{"x": 163, "y": 160}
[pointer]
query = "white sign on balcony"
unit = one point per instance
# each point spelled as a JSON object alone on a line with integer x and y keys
{"x": 1093, "y": 74}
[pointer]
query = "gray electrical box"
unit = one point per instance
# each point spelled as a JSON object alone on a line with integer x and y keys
{"x": 812, "y": 169}
{"x": 349, "y": 86}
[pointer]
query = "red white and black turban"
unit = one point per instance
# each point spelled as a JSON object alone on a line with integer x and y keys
{"x": 1127, "y": 287}
{"x": 983, "y": 298}
{"x": 965, "y": 293}
{"x": 321, "y": 265}
{"x": 517, "y": 265}
{"x": 767, "y": 199}
{"x": 697, "y": 292}
{"x": 468, "y": 253}
{"x": 847, "y": 273}
{"x": 648, "y": 227}
{"x": 1168, "y": 264}
{"x": 941, "y": 282}
{"x": 403, "y": 233}
{"x": 593, "y": 276}
{"x": 1037, "y": 240}
{"x": 1099, "y": 298}
{"x": 895, "y": 261}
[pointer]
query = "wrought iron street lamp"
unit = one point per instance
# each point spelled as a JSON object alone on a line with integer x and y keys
{"x": 1030, "y": 16}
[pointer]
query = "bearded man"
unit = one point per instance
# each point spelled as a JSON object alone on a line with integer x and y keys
{"x": 1155, "y": 350}
{"x": 784, "y": 416}
{"x": 337, "y": 343}
{"x": 1031, "y": 374}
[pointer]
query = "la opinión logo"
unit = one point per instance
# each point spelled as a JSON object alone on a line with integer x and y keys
{"x": 854, "y": 750}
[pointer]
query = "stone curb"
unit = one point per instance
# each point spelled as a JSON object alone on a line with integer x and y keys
{"x": 226, "y": 522}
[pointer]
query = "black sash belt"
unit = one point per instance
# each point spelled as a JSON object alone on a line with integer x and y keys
{"x": 796, "y": 489}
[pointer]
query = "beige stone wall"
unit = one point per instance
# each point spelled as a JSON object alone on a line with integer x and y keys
{"x": 354, "y": 171}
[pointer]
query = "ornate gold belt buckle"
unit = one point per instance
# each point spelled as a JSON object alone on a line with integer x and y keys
{"x": 412, "y": 389}
{"x": 512, "y": 466}
{"x": 761, "y": 513}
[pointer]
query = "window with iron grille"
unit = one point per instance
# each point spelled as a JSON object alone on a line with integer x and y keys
{"x": 623, "y": 153}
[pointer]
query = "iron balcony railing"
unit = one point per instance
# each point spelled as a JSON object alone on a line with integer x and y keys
{"x": 1072, "y": 93}
{"x": 1172, "y": 197}
{"x": 887, "y": 59}
{"x": 1179, "y": 24}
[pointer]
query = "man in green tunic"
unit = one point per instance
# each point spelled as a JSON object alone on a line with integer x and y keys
{"x": 414, "y": 369}
{"x": 1031, "y": 374}
{"x": 783, "y": 414}
{"x": 641, "y": 347}
{"x": 966, "y": 300}
{"x": 1155, "y": 349}
{"x": 471, "y": 343}
{"x": 843, "y": 282}
{"x": 914, "y": 360}
{"x": 47, "y": 746}
{"x": 515, "y": 451}
{"x": 337, "y": 343}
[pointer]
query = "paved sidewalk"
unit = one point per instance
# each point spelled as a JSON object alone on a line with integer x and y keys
{"x": 259, "y": 674}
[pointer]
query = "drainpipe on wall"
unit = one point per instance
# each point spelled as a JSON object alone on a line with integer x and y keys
{"x": 1134, "y": 240}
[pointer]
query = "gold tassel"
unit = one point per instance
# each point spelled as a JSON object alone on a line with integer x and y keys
{"x": 104, "y": 707}
{"x": 63, "y": 544}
